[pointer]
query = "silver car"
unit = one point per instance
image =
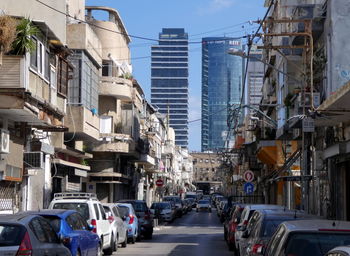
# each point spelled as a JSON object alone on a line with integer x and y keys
{"x": 23, "y": 234}
{"x": 118, "y": 226}
{"x": 163, "y": 211}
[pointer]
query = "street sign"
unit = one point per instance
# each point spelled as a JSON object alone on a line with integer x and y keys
{"x": 248, "y": 176}
{"x": 308, "y": 125}
{"x": 248, "y": 188}
{"x": 159, "y": 183}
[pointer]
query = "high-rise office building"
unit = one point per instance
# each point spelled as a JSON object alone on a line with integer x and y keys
{"x": 221, "y": 88}
{"x": 169, "y": 80}
{"x": 254, "y": 81}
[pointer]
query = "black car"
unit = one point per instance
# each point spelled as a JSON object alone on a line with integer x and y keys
{"x": 144, "y": 215}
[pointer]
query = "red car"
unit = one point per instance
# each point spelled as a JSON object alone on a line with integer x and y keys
{"x": 230, "y": 226}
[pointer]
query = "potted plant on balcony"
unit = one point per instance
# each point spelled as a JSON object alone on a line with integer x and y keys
{"x": 23, "y": 42}
{"x": 7, "y": 34}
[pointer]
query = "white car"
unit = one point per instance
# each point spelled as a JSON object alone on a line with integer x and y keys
{"x": 92, "y": 210}
{"x": 119, "y": 227}
{"x": 203, "y": 205}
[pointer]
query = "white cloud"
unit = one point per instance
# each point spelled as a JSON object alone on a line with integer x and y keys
{"x": 215, "y": 6}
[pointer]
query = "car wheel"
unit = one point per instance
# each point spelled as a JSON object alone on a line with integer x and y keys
{"x": 115, "y": 246}
{"x": 125, "y": 243}
{"x": 149, "y": 235}
{"x": 99, "y": 250}
{"x": 134, "y": 237}
{"x": 109, "y": 250}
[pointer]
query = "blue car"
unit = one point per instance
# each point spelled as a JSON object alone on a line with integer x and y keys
{"x": 74, "y": 231}
{"x": 127, "y": 211}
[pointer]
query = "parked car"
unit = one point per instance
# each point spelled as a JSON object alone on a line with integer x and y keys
{"x": 340, "y": 251}
{"x": 27, "y": 234}
{"x": 130, "y": 219}
{"x": 261, "y": 227}
{"x": 144, "y": 215}
{"x": 188, "y": 204}
{"x": 118, "y": 226}
{"x": 231, "y": 225}
{"x": 91, "y": 209}
{"x": 203, "y": 205}
{"x": 220, "y": 207}
{"x": 163, "y": 211}
{"x": 248, "y": 211}
{"x": 178, "y": 204}
{"x": 308, "y": 237}
{"x": 74, "y": 229}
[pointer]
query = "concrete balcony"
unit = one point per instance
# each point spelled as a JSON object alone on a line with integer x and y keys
{"x": 81, "y": 36}
{"x": 114, "y": 142}
{"x": 25, "y": 96}
{"x": 83, "y": 123}
{"x": 119, "y": 88}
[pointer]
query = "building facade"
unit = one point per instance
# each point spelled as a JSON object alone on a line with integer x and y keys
{"x": 206, "y": 171}
{"x": 169, "y": 80}
{"x": 221, "y": 88}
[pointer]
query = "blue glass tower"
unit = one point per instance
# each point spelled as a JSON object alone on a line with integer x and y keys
{"x": 221, "y": 86}
{"x": 169, "y": 80}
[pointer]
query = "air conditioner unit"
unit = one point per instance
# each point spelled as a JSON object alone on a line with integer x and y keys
{"x": 34, "y": 160}
{"x": 5, "y": 142}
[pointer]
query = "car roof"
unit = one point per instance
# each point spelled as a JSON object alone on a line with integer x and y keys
{"x": 124, "y": 204}
{"x": 264, "y": 206}
{"x": 317, "y": 225}
{"x": 62, "y": 213}
{"x": 14, "y": 218}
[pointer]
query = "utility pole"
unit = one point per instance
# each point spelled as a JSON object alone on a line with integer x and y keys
{"x": 307, "y": 47}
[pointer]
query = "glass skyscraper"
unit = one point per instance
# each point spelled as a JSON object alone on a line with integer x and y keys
{"x": 169, "y": 80}
{"x": 221, "y": 87}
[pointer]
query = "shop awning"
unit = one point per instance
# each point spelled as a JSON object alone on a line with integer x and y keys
{"x": 267, "y": 152}
{"x": 70, "y": 164}
{"x": 335, "y": 109}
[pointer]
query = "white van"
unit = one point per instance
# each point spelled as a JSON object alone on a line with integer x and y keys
{"x": 91, "y": 209}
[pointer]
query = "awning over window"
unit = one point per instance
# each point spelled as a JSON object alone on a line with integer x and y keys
{"x": 335, "y": 109}
{"x": 268, "y": 155}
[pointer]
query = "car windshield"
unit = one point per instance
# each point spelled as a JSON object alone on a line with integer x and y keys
{"x": 11, "y": 235}
{"x": 203, "y": 202}
{"x": 161, "y": 206}
{"x": 190, "y": 196}
{"x": 316, "y": 243}
{"x": 82, "y": 208}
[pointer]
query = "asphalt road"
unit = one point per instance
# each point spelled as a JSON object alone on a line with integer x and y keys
{"x": 194, "y": 234}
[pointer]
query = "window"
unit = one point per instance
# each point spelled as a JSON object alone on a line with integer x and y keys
{"x": 76, "y": 222}
{"x": 34, "y": 55}
{"x": 97, "y": 212}
{"x": 103, "y": 213}
{"x": 43, "y": 230}
{"x": 82, "y": 208}
{"x": 62, "y": 76}
{"x": 11, "y": 235}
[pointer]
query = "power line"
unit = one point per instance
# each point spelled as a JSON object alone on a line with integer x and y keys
{"x": 110, "y": 30}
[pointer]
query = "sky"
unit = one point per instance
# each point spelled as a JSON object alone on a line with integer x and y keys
{"x": 199, "y": 18}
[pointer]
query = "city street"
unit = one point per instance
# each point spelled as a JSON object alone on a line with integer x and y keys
{"x": 194, "y": 234}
